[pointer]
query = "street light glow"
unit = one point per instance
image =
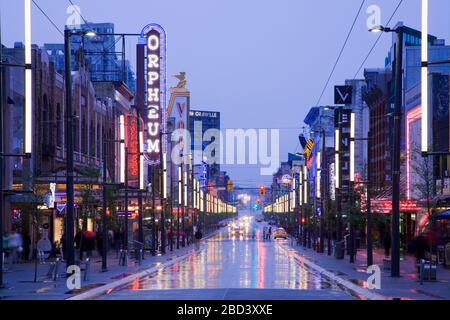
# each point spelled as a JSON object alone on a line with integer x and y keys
{"x": 352, "y": 146}
{"x": 377, "y": 29}
{"x": 424, "y": 75}
{"x": 28, "y": 81}
{"x": 336, "y": 161}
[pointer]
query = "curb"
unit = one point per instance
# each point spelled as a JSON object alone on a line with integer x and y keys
{"x": 355, "y": 289}
{"x": 100, "y": 291}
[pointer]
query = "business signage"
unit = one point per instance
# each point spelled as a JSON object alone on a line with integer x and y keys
{"x": 204, "y": 114}
{"x": 204, "y": 177}
{"x": 385, "y": 206}
{"x": 132, "y": 143}
{"x": 156, "y": 93}
{"x": 343, "y": 122}
{"x": 343, "y": 94}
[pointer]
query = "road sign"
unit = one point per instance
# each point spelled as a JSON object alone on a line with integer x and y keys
{"x": 343, "y": 94}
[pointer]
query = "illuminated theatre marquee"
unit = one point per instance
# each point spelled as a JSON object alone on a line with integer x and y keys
{"x": 156, "y": 101}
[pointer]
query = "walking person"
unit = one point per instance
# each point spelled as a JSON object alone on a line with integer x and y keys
{"x": 15, "y": 244}
{"x": 269, "y": 235}
{"x": 198, "y": 238}
{"x": 117, "y": 241}
{"x": 26, "y": 246}
{"x": 387, "y": 244}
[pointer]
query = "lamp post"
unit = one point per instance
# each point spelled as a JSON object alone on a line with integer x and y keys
{"x": 395, "y": 220}
{"x": 69, "y": 144}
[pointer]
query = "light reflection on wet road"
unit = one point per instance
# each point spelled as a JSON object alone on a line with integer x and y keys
{"x": 227, "y": 262}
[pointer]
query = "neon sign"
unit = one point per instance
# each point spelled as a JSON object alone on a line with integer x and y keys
{"x": 156, "y": 96}
{"x": 132, "y": 142}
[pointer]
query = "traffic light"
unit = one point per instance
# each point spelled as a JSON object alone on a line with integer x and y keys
{"x": 262, "y": 190}
{"x": 230, "y": 186}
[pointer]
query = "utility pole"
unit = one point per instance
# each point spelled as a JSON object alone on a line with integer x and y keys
{"x": 69, "y": 152}
{"x": 1, "y": 158}
{"x": 126, "y": 207}
{"x": 369, "y": 213}
{"x": 323, "y": 195}
{"x": 395, "y": 224}
{"x": 104, "y": 232}
{"x": 152, "y": 168}
{"x": 183, "y": 227}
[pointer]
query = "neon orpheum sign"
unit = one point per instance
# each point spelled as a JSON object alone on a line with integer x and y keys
{"x": 155, "y": 110}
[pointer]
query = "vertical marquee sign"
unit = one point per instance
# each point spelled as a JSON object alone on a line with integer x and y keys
{"x": 343, "y": 124}
{"x": 133, "y": 144}
{"x": 155, "y": 109}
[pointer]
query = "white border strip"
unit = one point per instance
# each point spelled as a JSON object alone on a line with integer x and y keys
{"x": 100, "y": 291}
{"x": 347, "y": 284}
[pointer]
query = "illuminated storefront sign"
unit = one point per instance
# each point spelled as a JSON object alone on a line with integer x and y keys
{"x": 385, "y": 206}
{"x": 156, "y": 96}
{"x": 132, "y": 143}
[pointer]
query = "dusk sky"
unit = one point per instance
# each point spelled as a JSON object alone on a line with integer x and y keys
{"x": 248, "y": 59}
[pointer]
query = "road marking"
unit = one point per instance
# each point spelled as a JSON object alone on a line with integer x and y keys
{"x": 345, "y": 283}
{"x": 108, "y": 288}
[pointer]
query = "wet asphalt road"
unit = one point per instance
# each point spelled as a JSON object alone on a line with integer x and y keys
{"x": 228, "y": 267}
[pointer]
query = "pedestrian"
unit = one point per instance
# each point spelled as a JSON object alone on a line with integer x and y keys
{"x": 99, "y": 239}
{"x": 264, "y": 233}
{"x": 26, "y": 246}
{"x": 198, "y": 238}
{"x": 269, "y": 235}
{"x": 79, "y": 244}
{"x": 387, "y": 244}
{"x": 117, "y": 241}
{"x": 15, "y": 244}
{"x": 420, "y": 247}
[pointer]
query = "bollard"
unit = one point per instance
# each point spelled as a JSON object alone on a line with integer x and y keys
{"x": 140, "y": 257}
{"x": 51, "y": 270}
{"x": 421, "y": 270}
{"x": 87, "y": 269}
{"x": 55, "y": 274}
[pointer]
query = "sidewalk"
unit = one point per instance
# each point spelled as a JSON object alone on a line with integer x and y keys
{"x": 19, "y": 285}
{"x": 406, "y": 287}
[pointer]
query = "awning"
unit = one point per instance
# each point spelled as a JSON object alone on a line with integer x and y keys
{"x": 444, "y": 215}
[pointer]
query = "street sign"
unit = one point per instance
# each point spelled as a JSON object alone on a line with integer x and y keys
{"x": 343, "y": 94}
{"x": 60, "y": 206}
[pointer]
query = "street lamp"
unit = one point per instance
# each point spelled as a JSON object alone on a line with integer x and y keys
{"x": 395, "y": 224}
{"x": 424, "y": 75}
{"x": 69, "y": 144}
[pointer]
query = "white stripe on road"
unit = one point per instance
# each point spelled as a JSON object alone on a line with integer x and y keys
{"x": 100, "y": 291}
{"x": 345, "y": 283}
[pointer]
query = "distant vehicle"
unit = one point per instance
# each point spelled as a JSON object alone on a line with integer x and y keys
{"x": 235, "y": 229}
{"x": 280, "y": 233}
{"x": 259, "y": 219}
{"x": 223, "y": 224}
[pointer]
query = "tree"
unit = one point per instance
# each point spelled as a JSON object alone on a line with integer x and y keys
{"x": 87, "y": 195}
{"x": 425, "y": 185}
{"x": 36, "y": 198}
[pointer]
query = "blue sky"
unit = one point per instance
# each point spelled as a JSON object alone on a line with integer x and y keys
{"x": 261, "y": 63}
